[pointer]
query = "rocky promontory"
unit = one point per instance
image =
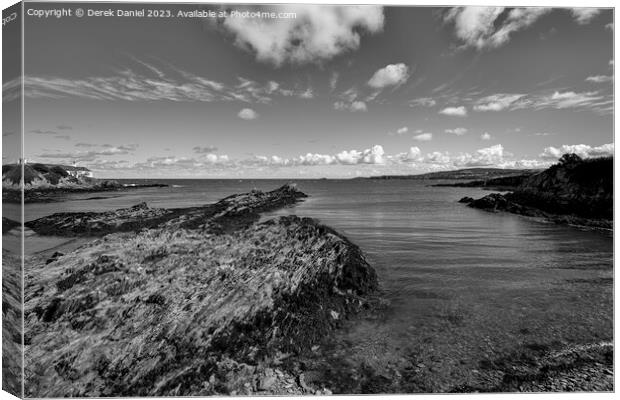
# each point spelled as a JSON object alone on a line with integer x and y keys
{"x": 45, "y": 182}
{"x": 203, "y": 301}
{"x": 231, "y": 213}
{"x": 574, "y": 191}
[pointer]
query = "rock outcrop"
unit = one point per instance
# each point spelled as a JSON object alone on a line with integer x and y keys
{"x": 195, "y": 306}
{"x": 575, "y": 191}
{"x": 230, "y": 213}
{"x": 8, "y": 224}
{"x": 11, "y": 324}
{"x": 43, "y": 182}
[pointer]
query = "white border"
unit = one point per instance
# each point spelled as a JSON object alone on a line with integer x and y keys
{"x": 532, "y": 3}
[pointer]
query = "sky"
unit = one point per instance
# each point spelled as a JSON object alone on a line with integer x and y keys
{"x": 331, "y": 91}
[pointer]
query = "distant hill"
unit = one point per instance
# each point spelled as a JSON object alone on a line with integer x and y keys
{"x": 463, "y": 174}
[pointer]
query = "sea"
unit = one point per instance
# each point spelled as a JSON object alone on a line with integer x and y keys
{"x": 459, "y": 288}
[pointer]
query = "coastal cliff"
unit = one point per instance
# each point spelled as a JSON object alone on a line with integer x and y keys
{"x": 574, "y": 191}
{"x": 42, "y": 181}
{"x": 208, "y": 302}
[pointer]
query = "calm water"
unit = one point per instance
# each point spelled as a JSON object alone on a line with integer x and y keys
{"x": 462, "y": 285}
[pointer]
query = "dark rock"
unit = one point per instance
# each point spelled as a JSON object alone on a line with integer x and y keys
{"x": 574, "y": 192}
{"x": 227, "y": 215}
{"x": 54, "y": 257}
{"x": 140, "y": 206}
{"x": 8, "y": 224}
{"x": 466, "y": 200}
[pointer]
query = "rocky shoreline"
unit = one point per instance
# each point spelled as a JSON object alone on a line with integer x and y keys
{"x": 573, "y": 192}
{"x": 198, "y": 301}
{"x": 50, "y": 195}
{"x": 496, "y": 202}
{"x": 578, "y": 368}
{"x": 210, "y": 301}
{"x": 231, "y": 213}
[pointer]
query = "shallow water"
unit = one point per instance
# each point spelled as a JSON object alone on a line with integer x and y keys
{"x": 462, "y": 285}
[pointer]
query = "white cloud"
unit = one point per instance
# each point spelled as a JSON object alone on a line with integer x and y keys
{"x": 457, "y": 131}
{"x": 481, "y": 27}
{"x": 413, "y": 155}
{"x": 272, "y": 86}
{"x": 247, "y": 114}
{"x": 307, "y": 94}
{"x": 584, "y": 15}
{"x": 356, "y": 106}
{"x": 368, "y": 156}
{"x": 402, "y": 130}
{"x": 317, "y": 32}
{"x": 485, "y": 136}
{"x": 487, "y": 156}
{"x": 424, "y": 137}
{"x": 390, "y": 75}
{"x": 582, "y": 150}
{"x": 316, "y": 159}
{"x": 600, "y": 78}
{"x": 497, "y": 102}
{"x": 454, "y": 111}
{"x": 423, "y": 101}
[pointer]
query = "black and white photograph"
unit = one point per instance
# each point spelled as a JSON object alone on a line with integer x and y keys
{"x": 211, "y": 199}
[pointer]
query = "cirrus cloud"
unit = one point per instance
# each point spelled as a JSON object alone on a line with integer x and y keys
{"x": 460, "y": 111}
{"x": 497, "y": 102}
{"x": 424, "y": 137}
